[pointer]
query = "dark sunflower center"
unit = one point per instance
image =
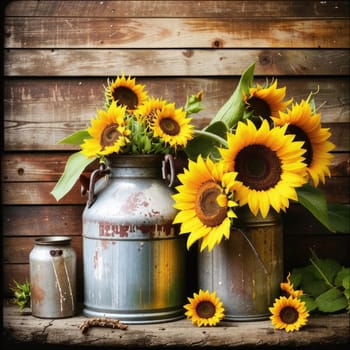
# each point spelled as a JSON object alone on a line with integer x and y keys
{"x": 207, "y": 209}
{"x": 300, "y": 135}
{"x": 205, "y": 309}
{"x": 125, "y": 97}
{"x": 169, "y": 126}
{"x": 259, "y": 107}
{"x": 109, "y": 135}
{"x": 258, "y": 167}
{"x": 289, "y": 315}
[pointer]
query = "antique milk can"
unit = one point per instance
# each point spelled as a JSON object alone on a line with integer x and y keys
{"x": 246, "y": 270}
{"x": 53, "y": 277}
{"x": 134, "y": 261}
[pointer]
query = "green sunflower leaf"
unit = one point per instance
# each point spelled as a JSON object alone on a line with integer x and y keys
{"x": 331, "y": 301}
{"x": 310, "y": 302}
{"x": 75, "y": 165}
{"x": 327, "y": 269}
{"x": 314, "y": 200}
{"x": 339, "y": 217}
{"x": 77, "y": 138}
{"x": 311, "y": 281}
{"x": 206, "y": 142}
{"x": 232, "y": 111}
{"x": 343, "y": 278}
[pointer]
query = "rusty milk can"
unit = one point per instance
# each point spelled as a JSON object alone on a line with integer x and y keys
{"x": 53, "y": 277}
{"x": 134, "y": 260}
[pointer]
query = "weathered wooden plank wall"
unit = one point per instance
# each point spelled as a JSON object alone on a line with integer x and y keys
{"x": 58, "y": 55}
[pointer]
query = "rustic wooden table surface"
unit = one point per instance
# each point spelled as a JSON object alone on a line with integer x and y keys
{"x": 24, "y": 330}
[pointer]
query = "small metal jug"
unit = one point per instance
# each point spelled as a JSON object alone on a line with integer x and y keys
{"x": 53, "y": 278}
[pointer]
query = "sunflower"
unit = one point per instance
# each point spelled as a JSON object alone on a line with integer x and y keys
{"x": 205, "y": 309}
{"x": 289, "y": 314}
{"x": 306, "y": 127}
{"x": 205, "y": 202}
{"x": 265, "y": 102}
{"x": 108, "y": 132}
{"x": 269, "y": 165}
{"x": 147, "y": 112}
{"x": 289, "y": 288}
{"x": 125, "y": 92}
{"x": 172, "y": 126}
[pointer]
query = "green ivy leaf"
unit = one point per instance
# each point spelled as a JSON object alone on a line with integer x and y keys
{"x": 77, "y": 138}
{"x": 331, "y": 301}
{"x": 75, "y": 165}
{"x": 314, "y": 200}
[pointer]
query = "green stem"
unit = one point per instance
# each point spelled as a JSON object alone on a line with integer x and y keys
{"x": 214, "y": 137}
{"x": 321, "y": 273}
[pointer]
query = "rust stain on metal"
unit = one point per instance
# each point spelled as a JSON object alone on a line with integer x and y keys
{"x": 96, "y": 258}
{"x": 136, "y": 200}
{"x": 104, "y": 244}
{"x": 112, "y": 230}
{"x": 37, "y": 293}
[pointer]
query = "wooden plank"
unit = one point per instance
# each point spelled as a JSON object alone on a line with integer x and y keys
{"x": 174, "y": 62}
{"x": 321, "y": 330}
{"x": 40, "y": 220}
{"x": 77, "y": 32}
{"x": 42, "y": 136}
{"x": 38, "y": 193}
{"x": 223, "y": 9}
{"x": 48, "y": 166}
{"x": 39, "y": 166}
{"x": 73, "y": 101}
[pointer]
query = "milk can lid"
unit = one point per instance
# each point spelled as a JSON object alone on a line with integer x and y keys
{"x": 52, "y": 240}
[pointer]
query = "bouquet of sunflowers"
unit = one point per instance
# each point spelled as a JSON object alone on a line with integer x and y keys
{"x": 260, "y": 151}
{"x": 131, "y": 122}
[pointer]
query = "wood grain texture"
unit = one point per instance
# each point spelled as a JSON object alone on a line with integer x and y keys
{"x": 41, "y": 112}
{"x": 136, "y": 8}
{"x": 321, "y": 330}
{"x": 35, "y": 193}
{"x": 72, "y": 102}
{"x": 43, "y": 220}
{"x": 174, "y": 62}
{"x": 41, "y": 136}
{"x": 48, "y": 166}
{"x": 165, "y": 33}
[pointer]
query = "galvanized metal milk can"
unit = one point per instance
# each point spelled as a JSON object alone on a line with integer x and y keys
{"x": 134, "y": 260}
{"x": 53, "y": 277}
{"x": 246, "y": 270}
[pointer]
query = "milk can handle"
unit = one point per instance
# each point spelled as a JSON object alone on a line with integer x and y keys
{"x": 168, "y": 169}
{"x": 96, "y": 175}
